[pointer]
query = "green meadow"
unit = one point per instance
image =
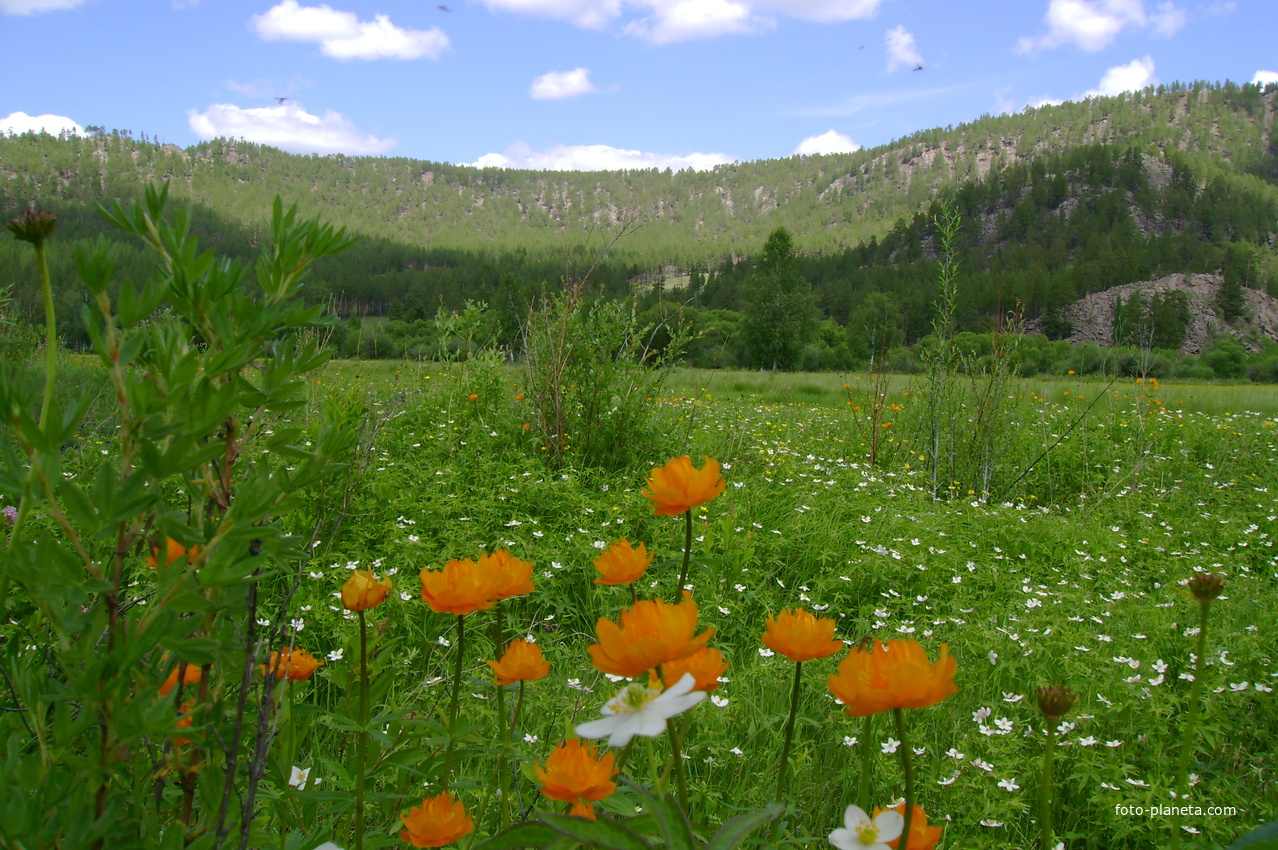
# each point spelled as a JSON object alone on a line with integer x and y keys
{"x": 1073, "y": 576}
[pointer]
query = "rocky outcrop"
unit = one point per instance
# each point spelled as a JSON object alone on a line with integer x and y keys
{"x": 1092, "y": 317}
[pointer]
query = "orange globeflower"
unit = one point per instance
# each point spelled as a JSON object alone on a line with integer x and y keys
{"x": 462, "y": 587}
{"x": 522, "y": 662}
{"x": 650, "y": 633}
{"x": 922, "y": 836}
{"x": 439, "y": 820}
{"x": 897, "y": 675}
{"x": 621, "y": 564}
{"x": 184, "y": 722}
{"x": 574, "y": 773}
{"x": 799, "y": 636}
{"x": 172, "y": 551}
{"x": 585, "y": 810}
{"x": 678, "y": 486}
{"x": 706, "y": 666}
{"x": 296, "y": 665}
{"x": 190, "y": 677}
{"x": 363, "y": 591}
{"x": 513, "y": 576}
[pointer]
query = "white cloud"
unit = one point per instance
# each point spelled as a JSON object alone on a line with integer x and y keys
{"x": 1133, "y": 76}
{"x": 1093, "y": 24}
{"x": 901, "y": 50}
{"x": 827, "y": 142}
{"x": 823, "y": 10}
{"x": 20, "y": 122}
{"x": 664, "y": 21}
{"x": 287, "y": 126}
{"x": 35, "y": 7}
{"x": 1167, "y": 20}
{"x": 596, "y": 158}
{"x": 1264, "y": 78}
{"x": 558, "y": 85}
{"x": 591, "y": 14}
{"x": 342, "y": 35}
{"x": 680, "y": 20}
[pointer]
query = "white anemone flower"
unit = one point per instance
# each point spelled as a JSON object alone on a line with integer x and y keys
{"x": 860, "y": 831}
{"x": 640, "y": 709}
{"x": 297, "y": 777}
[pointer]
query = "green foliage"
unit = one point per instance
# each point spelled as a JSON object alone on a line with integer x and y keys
{"x": 592, "y": 374}
{"x": 198, "y": 456}
{"x": 779, "y": 316}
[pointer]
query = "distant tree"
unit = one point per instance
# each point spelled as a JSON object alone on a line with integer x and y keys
{"x": 1237, "y": 274}
{"x": 780, "y": 312}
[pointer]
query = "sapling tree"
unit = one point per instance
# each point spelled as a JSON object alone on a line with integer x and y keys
{"x": 140, "y": 716}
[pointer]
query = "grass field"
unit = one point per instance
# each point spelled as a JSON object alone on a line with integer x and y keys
{"x": 1066, "y": 569}
{"x": 1072, "y": 577}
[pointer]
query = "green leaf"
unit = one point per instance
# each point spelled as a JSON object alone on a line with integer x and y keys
{"x": 601, "y": 833}
{"x": 670, "y": 817}
{"x": 1263, "y": 837}
{"x": 526, "y": 834}
{"x": 735, "y": 830}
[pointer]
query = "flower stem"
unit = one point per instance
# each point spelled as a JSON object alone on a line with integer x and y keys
{"x": 864, "y": 790}
{"x": 783, "y": 773}
{"x": 361, "y": 744}
{"x": 687, "y": 552}
{"x": 907, "y": 765}
{"x": 1187, "y": 738}
{"x": 1045, "y": 789}
{"x": 676, "y": 756}
{"x": 452, "y": 707}
{"x": 503, "y": 730}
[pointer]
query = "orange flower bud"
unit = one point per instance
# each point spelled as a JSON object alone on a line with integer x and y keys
{"x": 621, "y": 564}
{"x": 575, "y": 773}
{"x": 678, "y": 486}
{"x": 439, "y": 820}
{"x": 363, "y": 590}
{"x": 522, "y": 662}
{"x": 706, "y": 666}
{"x": 800, "y": 636}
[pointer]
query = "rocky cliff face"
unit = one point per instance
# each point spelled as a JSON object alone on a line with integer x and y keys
{"x": 1093, "y": 316}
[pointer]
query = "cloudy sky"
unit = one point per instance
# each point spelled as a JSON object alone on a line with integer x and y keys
{"x": 596, "y": 84}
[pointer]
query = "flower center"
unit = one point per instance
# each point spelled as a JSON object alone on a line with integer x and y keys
{"x": 867, "y": 833}
{"x": 632, "y": 698}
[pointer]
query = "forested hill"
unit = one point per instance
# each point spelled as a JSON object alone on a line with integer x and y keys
{"x": 828, "y": 202}
{"x": 1054, "y": 203}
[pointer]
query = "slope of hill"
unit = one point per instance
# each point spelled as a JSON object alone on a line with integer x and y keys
{"x": 829, "y": 202}
{"x": 1056, "y": 203}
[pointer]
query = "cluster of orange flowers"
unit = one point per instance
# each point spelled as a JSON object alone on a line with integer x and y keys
{"x": 464, "y": 586}
{"x": 892, "y": 675}
{"x": 653, "y": 638}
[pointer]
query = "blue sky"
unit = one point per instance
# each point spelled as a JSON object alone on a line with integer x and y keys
{"x": 596, "y": 83}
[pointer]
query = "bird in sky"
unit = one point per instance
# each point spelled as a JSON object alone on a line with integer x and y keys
{"x": 280, "y": 100}
{"x": 444, "y": 9}
{"x": 918, "y": 67}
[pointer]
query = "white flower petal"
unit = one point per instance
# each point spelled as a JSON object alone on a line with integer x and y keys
{"x": 890, "y": 824}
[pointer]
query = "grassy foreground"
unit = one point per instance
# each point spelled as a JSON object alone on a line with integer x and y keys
{"x": 1070, "y": 575}
{"x": 1073, "y": 579}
